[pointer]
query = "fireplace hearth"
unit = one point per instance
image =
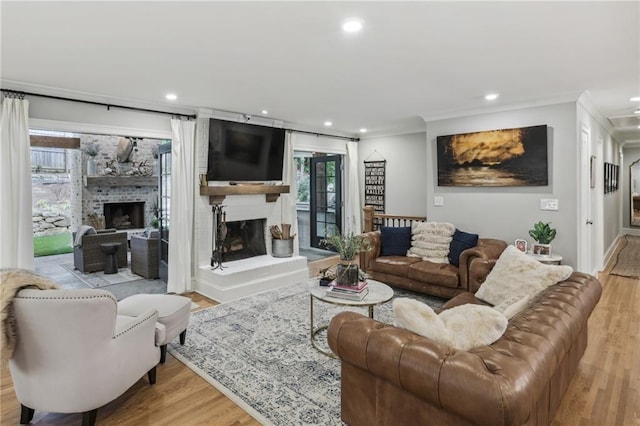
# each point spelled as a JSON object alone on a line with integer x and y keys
{"x": 128, "y": 215}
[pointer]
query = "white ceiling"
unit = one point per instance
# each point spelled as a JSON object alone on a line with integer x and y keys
{"x": 412, "y": 61}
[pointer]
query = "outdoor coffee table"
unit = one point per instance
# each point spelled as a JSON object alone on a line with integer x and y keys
{"x": 379, "y": 293}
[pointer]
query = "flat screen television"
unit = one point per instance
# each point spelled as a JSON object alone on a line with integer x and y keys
{"x": 244, "y": 152}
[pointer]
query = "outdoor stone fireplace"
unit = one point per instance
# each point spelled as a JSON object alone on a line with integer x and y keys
{"x": 129, "y": 215}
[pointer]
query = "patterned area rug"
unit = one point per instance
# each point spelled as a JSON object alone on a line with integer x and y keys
{"x": 628, "y": 261}
{"x": 257, "y": 351}
{"x": 100, "y": 279}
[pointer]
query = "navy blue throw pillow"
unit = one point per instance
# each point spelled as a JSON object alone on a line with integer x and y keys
{"x": 395, "y": 241}
{"x": 460, "y": 242}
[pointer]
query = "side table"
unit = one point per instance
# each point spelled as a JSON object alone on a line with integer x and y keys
{"x": 110, "y": 249}
{"x": 547, "y": 259}
{"x": 379, "y": 293}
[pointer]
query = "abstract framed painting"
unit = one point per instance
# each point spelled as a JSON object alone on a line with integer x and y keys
{"x": 505, "y": 157}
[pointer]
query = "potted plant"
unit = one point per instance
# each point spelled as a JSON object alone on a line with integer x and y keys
{"x": 543, "y": 234}
{"x": 348, "y": 247}
{"x": 91, "y": 150}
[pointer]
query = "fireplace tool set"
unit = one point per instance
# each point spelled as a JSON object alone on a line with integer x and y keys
{"x": 219, "y": 235}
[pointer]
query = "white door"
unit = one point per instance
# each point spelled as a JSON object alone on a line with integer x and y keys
{"x": 588, "y": 166}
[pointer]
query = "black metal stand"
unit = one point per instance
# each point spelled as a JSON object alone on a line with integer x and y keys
{"x": 219, "y": 235}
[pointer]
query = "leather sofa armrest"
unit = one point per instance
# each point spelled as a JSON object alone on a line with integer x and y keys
{"x": 487, "y": 248}
{"x": 393, "y": 354}
{"x": 478, "y": 272}
{"x": 375, "y": 245}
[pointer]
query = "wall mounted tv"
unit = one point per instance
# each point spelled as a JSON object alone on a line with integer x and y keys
{"x": 244, "y": 152}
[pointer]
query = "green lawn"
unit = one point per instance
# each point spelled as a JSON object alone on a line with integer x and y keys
{"x": 52, "y": 244}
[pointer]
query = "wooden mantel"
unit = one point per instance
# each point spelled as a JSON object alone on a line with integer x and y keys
{"x": 217, "y": 194}
{"x": 120, "y": 180}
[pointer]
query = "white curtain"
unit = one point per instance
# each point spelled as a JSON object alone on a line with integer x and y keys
{"x": 181, "y": 211}
{"x": 16, "y": 230}
{"x": 289, "y": 212}
{"x": 352, "y": 221}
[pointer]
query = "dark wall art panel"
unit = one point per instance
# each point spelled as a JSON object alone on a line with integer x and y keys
{"x": 506, "y": 157}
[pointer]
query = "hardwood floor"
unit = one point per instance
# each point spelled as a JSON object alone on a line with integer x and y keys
{"x": 605, "y": 391}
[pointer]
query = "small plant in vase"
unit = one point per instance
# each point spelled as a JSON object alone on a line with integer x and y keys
{"x": 348, "y": 247}
{"x": 543, "y": 234}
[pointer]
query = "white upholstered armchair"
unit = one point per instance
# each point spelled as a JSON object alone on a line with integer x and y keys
{"x": 73, "y": 354}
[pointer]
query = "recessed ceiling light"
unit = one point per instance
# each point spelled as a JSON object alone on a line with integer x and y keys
{"x": 352, "y": 25}
{"x": 265, "y": 112}
{"x": 363, "y": 130}
{"x": 491, "y": 96}
{"x": 328, "y": 123}
{"x": 171, "y": 96}
{"x": 635, "y": 99}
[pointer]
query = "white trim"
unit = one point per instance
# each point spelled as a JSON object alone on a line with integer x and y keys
{"x": 97, "y": 129}
{"x": 587, "y": 103}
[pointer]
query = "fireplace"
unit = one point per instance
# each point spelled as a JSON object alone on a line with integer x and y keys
{"x": 244, "y": 239}
{"x": 128, "y": 215}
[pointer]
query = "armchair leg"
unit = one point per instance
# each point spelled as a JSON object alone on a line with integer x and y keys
{"x": 26, "y": 414}
{"x": 183, "y": 336}
{"x": 89, "y": 417}
{"x": 152, "y": 376}
{"x": 163, "y": 354}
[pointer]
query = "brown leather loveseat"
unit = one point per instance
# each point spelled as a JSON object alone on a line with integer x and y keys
{"x": 391, "y": 376}
{"x": 413, "y": 273}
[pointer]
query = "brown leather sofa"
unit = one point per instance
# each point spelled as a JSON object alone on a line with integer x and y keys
{"x": 391, "y": 376}
{"x": 413, "y": 273}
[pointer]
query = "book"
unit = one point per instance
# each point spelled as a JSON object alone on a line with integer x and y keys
{"x": 348, "y": 295}
{"x": 360, "y": 286}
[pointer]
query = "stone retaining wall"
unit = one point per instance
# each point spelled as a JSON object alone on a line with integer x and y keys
{"x": 49, "y": 223}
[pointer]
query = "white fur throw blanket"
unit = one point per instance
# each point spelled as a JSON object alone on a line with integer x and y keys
{"x": 11, "y": 282}
{"x": 430, "y": 241}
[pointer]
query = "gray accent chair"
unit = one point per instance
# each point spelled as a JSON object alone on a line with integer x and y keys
{"x": 74, "y": 353}
{"x": 89, "y": 257}
{"x": 145, "y": 257}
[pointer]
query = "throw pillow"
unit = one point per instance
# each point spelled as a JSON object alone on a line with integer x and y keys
{"x": 430, "y": 241}
{"x": 516, "y": 276}
{"x": 471, "y": 326}
{"x": 463, "y": 327}
{"x": 395, "y": 241}
{"x": 419, "y": 318}
{"x": 460, "y": 242}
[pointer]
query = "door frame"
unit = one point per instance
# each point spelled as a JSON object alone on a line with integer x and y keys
{"x": 314, "y": 239}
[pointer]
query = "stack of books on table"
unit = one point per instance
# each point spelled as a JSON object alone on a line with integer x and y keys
{"x": 356, "y": 292}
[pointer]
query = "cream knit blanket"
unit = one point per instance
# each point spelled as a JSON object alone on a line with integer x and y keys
{"x": 11, "y": 282}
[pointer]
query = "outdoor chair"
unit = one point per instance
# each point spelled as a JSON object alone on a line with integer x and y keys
{"x": 88, "y": 255}
{"x": 145, "y": 258}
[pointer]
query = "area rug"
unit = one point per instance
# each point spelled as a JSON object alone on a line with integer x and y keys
{"x": 628, "y": 261}
{"x": 257, "y": 351}
{"x": 99, "y": 279}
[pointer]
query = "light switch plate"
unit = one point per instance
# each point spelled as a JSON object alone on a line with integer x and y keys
{"x": 438, "y": 201}
{"x": 549, "y": 204}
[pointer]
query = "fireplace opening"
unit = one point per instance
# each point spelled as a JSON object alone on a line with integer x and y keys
{"x": 124, "y": 215}
{"x": 244, "y": 239}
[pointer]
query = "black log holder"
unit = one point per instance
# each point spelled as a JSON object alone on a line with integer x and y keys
{"x": 219, "y": 234}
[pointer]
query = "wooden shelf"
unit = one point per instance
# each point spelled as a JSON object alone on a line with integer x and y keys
{"x": 217, "y": 194}
{"x": 121, "y": 180}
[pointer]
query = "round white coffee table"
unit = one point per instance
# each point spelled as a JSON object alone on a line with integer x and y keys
{"x": 379, "y": 293}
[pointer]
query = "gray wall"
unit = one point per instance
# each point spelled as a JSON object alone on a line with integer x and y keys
{"x": 508, "y": 213}
{"x": 406, "y": 171}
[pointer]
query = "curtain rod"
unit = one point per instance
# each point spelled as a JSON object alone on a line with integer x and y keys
{"x": 324, "y": 134}
{"x": 60, "y": 98}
